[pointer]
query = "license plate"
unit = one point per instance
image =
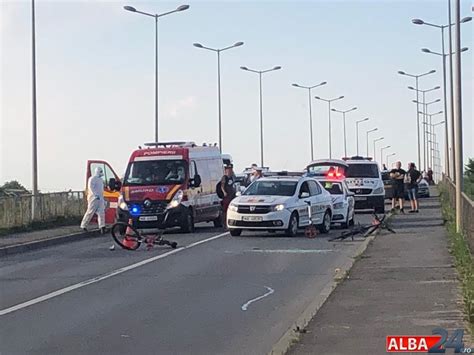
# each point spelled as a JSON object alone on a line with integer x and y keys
{"x": 252, "y": 219}
{"x": 360, "y": 198}
{"x": 148, "y": 218}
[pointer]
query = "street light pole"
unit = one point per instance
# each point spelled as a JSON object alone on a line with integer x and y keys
{"x": 156, "y": 17}
{"x": 429, "y": 126}
{"x": 417, "y": 107}
{"x": 344, "y": 123}
{"x": 219, "y": 106}
{"x": 390, "y": 155}
{"x": 329, "y": 101}
{"x": 260, "y": 72}
{"x": 357, "y": 134}
{"x": 381, "y": 153}
{"x": 34, "y": 123}
{"x": 367, "y": 137}
{"x": 443, "y": 55}
{"x": 375, "y": 154}
{"x": 309, "y": 88}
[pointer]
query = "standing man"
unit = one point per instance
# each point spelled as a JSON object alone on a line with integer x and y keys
{"x": 95, "y": 200}
{"x": 413, "y": 178}
{"x": 227, "y": 186}
{"x": 398, "y": 176}
{"x": 257, "y": 174}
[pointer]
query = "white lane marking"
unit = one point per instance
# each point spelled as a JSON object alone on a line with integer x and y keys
{"x": 246, "y": 305}
{"x": 294, "y": 251}
{"x": 103, "y": 277}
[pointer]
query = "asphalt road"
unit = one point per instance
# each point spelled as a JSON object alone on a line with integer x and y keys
{"x": 217, "y": 295}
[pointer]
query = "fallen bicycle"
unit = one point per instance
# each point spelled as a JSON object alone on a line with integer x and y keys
{"x": 365, "y": 230}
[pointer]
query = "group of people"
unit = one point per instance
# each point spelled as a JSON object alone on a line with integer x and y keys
{"x": 226, "y": 188}
{"x": 405, "y": 179}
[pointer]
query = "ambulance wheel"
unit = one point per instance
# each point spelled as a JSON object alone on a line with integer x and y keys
{"x": 326, "y": 225}
{"x": 235, "y": 232}
{"x": 187, "y": 223}
{"x": 126, "y": 236}
{"x": 292, "y": 230}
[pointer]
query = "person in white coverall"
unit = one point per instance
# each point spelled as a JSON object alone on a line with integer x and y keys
{"x": 95, "y": 200}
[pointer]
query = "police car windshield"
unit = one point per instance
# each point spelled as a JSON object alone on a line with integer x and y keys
{"x": 334, "y": 188}
{"x": 362, "y": 170}
{"x": 155, "y": 172}
{"x": 272, "y": 188}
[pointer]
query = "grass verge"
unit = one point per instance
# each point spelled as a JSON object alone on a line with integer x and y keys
{"x": 459, "y": 248}
{"x": 35, "y": 226}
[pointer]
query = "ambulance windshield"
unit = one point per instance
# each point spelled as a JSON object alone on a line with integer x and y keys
{"x": 155, "y": 172}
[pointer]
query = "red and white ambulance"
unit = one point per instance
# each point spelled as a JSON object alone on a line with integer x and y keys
{"x": 177, "y": 179}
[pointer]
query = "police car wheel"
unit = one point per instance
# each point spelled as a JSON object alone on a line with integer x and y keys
{"x": 292, "y": 229}
{"x": 235, "y": 232}
{"x": 326, "y": 225}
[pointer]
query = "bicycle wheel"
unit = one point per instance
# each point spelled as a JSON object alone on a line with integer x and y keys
{"x": 126, "y": 236}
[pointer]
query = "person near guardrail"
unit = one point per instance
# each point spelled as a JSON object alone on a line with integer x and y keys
{"x": 95, "y": 200}
{"x": 398, "y": 176}
{"x": 412, "y": 178}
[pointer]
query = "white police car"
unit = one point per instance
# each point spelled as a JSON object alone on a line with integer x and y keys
{"x": 280, "y": 204}
{"x": 364, "y": 180}
{"x": 330, "y": 174}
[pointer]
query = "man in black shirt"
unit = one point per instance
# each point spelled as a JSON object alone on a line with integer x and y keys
{"x": 398, "y": 176}
{"x": 413, "y": 178}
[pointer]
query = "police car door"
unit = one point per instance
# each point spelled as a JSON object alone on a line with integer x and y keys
{"x": 304, "y": 195}
{"x": 318, "y": 207}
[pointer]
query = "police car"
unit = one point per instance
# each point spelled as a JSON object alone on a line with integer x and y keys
{"x": 331, "y": 175}
{"x": 364, "y": 180}
{"x": 280, "y": 204}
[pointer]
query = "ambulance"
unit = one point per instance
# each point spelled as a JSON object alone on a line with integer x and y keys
{"x": 175, "y": 180}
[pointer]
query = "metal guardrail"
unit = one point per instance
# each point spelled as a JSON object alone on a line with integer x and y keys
{"x": 15, "y": 211}
{"x": 467, "y": 210}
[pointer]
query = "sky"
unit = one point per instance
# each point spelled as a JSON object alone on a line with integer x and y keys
{"x": 95, "y": 80}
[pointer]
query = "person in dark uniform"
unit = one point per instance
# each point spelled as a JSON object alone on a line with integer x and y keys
{"x": 398, "y": 176}
{"x": 413, "y": 178}
{"x": 227, "y": 186}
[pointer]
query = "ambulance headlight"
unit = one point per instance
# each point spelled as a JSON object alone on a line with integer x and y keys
{"x": 378, "y": 190}
{"x": 178, "y": 197}
{"x": 279, "y": 207}
{"x": 122, "y": 204}
{"x": 338, "y": 206}
{"x": 233, "y": 207}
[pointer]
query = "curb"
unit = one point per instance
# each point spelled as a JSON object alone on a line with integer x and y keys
{"x": 291, "y": 336}
{"x": 43, "y": 243}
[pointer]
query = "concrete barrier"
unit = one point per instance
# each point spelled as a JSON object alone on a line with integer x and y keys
{"x": 467, "y": 210}
{"x": 16, "y": 211}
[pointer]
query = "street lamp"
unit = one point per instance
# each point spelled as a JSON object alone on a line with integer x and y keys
{"x": 443, "y": 54}
{"x": 367, "y": 137}
{"x": 417, "y": 108}
{"x": 218, "y": 51}
{"x": 344, "y": 123}
{"x": 34, "y": 117}
{"x": 381, "y": 153}
{"x": 260, "y": 72}
{"x": 309, "y": 88}
{"x": 375, "y": 154}
{"x": 424, "y": 108}
{"x": 430, "y": 131}
{"x": 329, "y": 118}
{"x": 156, "y": 17}
{"x": 388, "y": 156}
{"x": 357, "y": 133}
